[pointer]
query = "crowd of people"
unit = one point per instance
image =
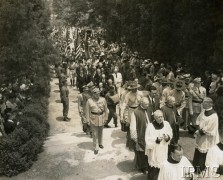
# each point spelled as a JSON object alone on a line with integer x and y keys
{"x": 13, "y": 97}
{"x": 150, "y": 100}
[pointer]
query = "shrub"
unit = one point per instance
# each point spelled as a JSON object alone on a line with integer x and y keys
{"x": 20, "y": 148}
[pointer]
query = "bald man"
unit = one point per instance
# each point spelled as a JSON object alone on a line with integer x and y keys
{"x": 157, "y": 137}
{"x": 207, "y": 134}
{"x": 170, "y": 114}
{"x": 140, "y": 117}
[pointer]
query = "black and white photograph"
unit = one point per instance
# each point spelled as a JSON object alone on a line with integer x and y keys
{"x": 111, "y": 90}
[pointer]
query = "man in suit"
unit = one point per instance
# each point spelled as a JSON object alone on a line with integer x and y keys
{"x": 153, "y": 98}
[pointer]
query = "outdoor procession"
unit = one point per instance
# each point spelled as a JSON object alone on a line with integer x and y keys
{"x": 114, "y": 90}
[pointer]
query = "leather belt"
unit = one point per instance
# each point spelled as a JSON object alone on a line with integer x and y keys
{"x": 97, "y": 113}
{"x": 133, "y": 107}
{"x": 196, "y": 101}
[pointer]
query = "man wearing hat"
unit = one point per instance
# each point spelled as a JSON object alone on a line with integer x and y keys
{"x": 179, "y": 95}
{"x": 65, "y": 99}
{"x": 96, "y": 117}
{"x": 198, "y": 93}
{"x": 131, "y": 102}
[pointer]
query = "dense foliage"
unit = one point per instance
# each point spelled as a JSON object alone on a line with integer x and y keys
{"x": 188, "y": 31}
{"x": 24, "y": 46}
{"x": 25, "y": 51}
{"x": 20, "y": 148}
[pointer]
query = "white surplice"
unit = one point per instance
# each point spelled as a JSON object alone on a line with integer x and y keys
{"x": 179, "y": 171}
{"x": 157, "y": 153}
{"x": 213, "y": 160}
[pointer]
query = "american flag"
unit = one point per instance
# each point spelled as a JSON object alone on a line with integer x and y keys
{"x": 78, "y": 48}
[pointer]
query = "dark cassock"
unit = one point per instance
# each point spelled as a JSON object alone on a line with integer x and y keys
{"x": 170, "y": 114}
{"x": 139, "y": 120}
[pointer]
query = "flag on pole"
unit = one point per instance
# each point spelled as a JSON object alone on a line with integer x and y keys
{"x": 77, "y": 45}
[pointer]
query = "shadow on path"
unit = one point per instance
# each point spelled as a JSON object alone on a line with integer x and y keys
{"x": 58, "y": 101}
{"x": 80, "y": 135}
{"x": 118, "y": 141}
{"x": 186, "y": 134}
{"x": 125, "y": 166}
{"x": 85, "y": 145}
{"x": 60, "y": 118}
{"x": 56, "y": 91}
{"x": 117, "y": 134}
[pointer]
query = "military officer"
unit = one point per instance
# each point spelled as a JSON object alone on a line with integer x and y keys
{"x": 96, "y": 116}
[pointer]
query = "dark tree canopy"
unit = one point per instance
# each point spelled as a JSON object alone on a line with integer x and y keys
{"x": 24, "y": 44}
{"x": 170, "y": 31}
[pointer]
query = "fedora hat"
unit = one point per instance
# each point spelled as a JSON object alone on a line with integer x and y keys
{"x": 133, "y": 85}
{"x": 179, "y": 85}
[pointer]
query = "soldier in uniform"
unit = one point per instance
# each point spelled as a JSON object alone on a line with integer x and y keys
{"x": 62, "y": 78}
{"x": 96, "y": 116}
{"x": 82, "y": 100}
{"x": 65, "y": 99}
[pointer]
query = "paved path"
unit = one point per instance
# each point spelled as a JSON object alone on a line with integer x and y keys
{"x": 68, "y": 152}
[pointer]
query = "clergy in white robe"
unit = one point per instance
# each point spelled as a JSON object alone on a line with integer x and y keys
{"x": 157, "y": 137}
{"x": 176, "y": 167}
{"x": 207, "y": 134}
{"x": 214, "y": 161}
